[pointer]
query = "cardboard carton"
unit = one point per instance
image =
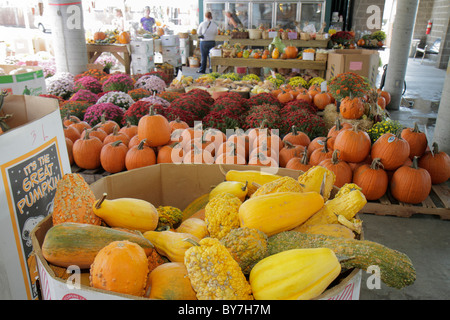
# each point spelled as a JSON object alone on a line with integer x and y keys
{"x": 30, "y": 83}
{"x": 33, "y": 158}
{"x": 360, "y": 61}
{"x": 163, "y": 184}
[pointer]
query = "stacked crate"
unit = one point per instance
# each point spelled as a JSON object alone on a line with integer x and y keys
{"x": 170, "y": 50}
{"x": 142, "y": 56}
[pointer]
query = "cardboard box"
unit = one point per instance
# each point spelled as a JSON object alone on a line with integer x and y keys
{"x": 141, "y": 59}
{"x": 170, "y": 184}
{"x": 172, "y": 51}
{"x": 35, "y": 159}
{"x": 170, "y": 40}
{"x": 173, "y": 60}
{"x": 144, "y": 47}
{"x": 360, "y": 61}
{"x": 139, "y": 68}
{"x": 29, "y": 83}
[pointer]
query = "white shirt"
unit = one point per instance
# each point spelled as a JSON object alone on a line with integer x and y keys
{"x": 209, "y": 32}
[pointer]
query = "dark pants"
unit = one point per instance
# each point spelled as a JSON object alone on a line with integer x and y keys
{"x": 205, "y": 47}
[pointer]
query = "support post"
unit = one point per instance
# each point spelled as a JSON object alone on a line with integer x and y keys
{"x": 69, "y": 40}
{"x": 442, "y": 129}
{"x": 399, "y": 52}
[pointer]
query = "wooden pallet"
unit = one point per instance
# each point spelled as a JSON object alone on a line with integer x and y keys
{"x": 437, "y": 203}
{"x": 90, "y": 176}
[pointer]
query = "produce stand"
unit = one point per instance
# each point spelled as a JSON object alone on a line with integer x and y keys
{"x": 95, "y": 50}
{"x": 321, "y": 66}
{"x": 266, "y": 42}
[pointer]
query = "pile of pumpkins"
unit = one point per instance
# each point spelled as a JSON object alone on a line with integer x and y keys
{"x": 110, "y": 37}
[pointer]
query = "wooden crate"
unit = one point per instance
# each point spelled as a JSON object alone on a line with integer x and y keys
{"x": 437, "y": 203}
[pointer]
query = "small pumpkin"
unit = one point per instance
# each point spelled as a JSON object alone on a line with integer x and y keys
{"x": 178, "y": 124}
{"x": 285, "y": 97}
{"x": 411, "y": 184}
{"x": 171, "y": 153}
{"x": 437, "y": 163}
{"x": 99, "y": 35}
{"x": 140, "y": 156}
{"x": 351, "y": 108}
{"x": 296, "y": 137}
{"x": 335, "y": 130}
{"x": 291, "y": 52}
{"x": 372, "y": 179}
{"x": 320, "y": 154}
{"x": 341, "y": 169}
{"x": 288, "y": 152}
{"x": 321, "y": 100}
{"x": 299, "y": 163}
{"x": 86, "y": 152}
{"x": 71, "y": 133}
{"x": 417, "y": 141}
{"x": 69, "y": 145}
{"x": 112, "y": 156}
{"x": 95, "y": 132}
{"x": 107, "y": 125}
{"x": 129, "y": 129}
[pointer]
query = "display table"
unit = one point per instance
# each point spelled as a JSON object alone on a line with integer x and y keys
{"x": 321, "y": 66}
{"x": 266, "y": 42}
{"x": 95, "y": 50}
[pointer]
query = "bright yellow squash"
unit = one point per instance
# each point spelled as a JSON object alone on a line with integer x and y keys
{"x": 129, "y": 213}
{"x": 318, "y": 179}
{"x": 170, "y": 244}
{"x": 296, "y": 274}
{"x": 237, "y": 188}
{"x": 251, "y": 176}
{"x": 281, "y": 211}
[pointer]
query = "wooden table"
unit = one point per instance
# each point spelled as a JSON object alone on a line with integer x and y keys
{"x": 120, "y": 51}
{"x": 321, "y": 66}
{"x": 266, "y": 42}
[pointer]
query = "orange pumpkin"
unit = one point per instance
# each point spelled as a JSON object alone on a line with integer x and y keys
{"x": 288, "y": 152}
{"x": 285, "y": 97}
{"x": 291, "y": 52}
{"x": 437, "y": 163}
{"x": 417, "y": 141}
{"x": 112, "y": 156}
{"x": 95, "y": 132}
{"x": 353, "y": 144}
{"x": 130, "y": 130}
{"x": 381, "y": 101}
{"x": 335, "y": 130}
{"x": 86, "y": 152}
{"x": 341, "y": 169}
{"x": 386, "y": 95}
{"x": 99, "y": 35}
{"x": 392, "y": 150}
{"x": 320, "y": 154}
{"x": 69, "y": 145}
{"x": 372, "y": 179}
{"x": 351, "y": 108}
{"x": 297, "y": 137}
{"x": 300, "y": 163}
{"x": 117, "y": 135}
{"x": 171, "y": 153}
{"x": 154, "y": 128}
{"x": 140, "y": 156}
{"x": 124, "y": 37}
{"x": 321, "y": 100}
{"x": 411, "y": 184}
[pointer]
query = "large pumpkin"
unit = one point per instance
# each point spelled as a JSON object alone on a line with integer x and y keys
{"x": 155, "y": 129}
{"x": 411, "y": 184}
{"x": 341, "y": 169}
{"x": 392, "y": 150}
{"x": 353, "y": 144}
{"x": 351, "y": 108}
{"x": 437, "y": 163}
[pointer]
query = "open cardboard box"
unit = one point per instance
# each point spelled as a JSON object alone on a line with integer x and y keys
{"x": 163, "y": 184}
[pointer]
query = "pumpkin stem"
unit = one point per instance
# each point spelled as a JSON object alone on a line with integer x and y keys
{"x": 294, "y": 130}
{"x": 376, "y": 164}
{"x": 289, "y": 145}
{"x": 416, "y": 128}
{"x": 435, "y": 148}
{"x": 116, "y": 143}
{"x": 99, "y": 202}
{"x": 305, "y": 156}
{"x": 115, "y": 130}
{"x": 245, "y": 187}
{"x": 322, "y": 185}
{"x": 141, "y": 144}
{"x": 86, "y": 134}
{"x": 415, "y": 163}
{"x": 335, "y": 157}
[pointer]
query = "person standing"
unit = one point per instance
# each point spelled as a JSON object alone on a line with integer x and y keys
{"x": 147, "y": 22}
{"x": 207, "y": 31}
{"x": 118, "y": 21}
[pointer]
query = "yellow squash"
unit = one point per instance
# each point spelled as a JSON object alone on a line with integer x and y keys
{"x": 296, "y": 274}
{"x": 194, "y": 226}
{"x": 129, "y": 213}
{"x": 318, "y": 179}
{"x": 239, "y": 189}
{"x": 282, "y": 184}
{"x": 276, "y": 212}
{"x": 252, "y": 177}
{"x": 170, "y": 243}
{"x": 347, "y": 205}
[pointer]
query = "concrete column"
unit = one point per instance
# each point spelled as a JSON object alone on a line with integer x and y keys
{"x": 69, "y": 41}
{"x": 442, "y": 129}
{"x": 399, "y": 52}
